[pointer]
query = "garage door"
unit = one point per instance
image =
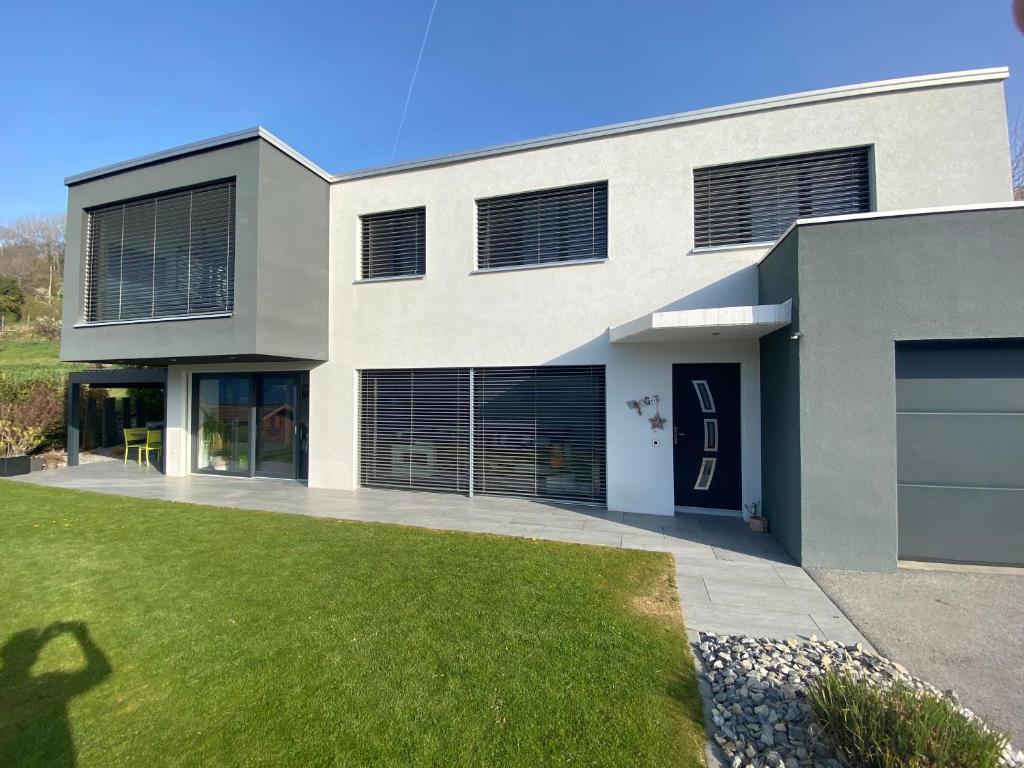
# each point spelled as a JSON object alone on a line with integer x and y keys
{"x": 537, "y": 432}
{"x": 960, "y": 451}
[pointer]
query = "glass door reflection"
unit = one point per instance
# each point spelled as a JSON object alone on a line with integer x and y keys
{"x": 276, "y": 412}
{"x": 222, "y": 429}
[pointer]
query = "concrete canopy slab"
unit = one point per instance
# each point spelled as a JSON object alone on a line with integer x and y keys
{"x": 746, "y": 322}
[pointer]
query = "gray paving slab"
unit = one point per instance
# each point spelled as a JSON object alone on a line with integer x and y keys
{"x": 730, "y": 620}
{"x": 729, "y": 579}
{"x": 717, "y": 569}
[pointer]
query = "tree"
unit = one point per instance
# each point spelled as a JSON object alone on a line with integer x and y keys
{"x": 32, "y": 254}
{"x": 1017, "y": 156}
{"x": 12, "y": 298}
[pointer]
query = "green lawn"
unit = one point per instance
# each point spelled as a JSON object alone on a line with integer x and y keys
{"x": 30, "y": 356}
{"x": 28, "y": 352}
{"x": 187, "y": 635}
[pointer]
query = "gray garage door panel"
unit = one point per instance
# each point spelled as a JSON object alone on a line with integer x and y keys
{"x": 960, "y": 451}
{"x": 969, "y": 525}
{"x": 940, "y": 395}
{"x": 981, "y": 450}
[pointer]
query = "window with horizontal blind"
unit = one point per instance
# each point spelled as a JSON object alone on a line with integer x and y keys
{"x": 533, "y": 432}
{"x": 540, "y": 432}
{"x": 414, "y": 429}
{"x": 162, "y": 256}
{"x": 394, "y": 244}
{"x": 543, "y": 227}
{"x": 756, "y": 201}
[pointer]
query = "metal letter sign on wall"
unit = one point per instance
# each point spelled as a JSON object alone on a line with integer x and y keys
{"x": 657, "y": 420}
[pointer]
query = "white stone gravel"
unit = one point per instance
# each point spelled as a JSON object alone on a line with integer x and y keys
{"x": 759, "y": 708}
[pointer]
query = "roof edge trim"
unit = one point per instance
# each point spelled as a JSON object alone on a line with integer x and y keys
{"x": 697, "y": 115}
{"x": 990, "y": 74}
{"x": 197, "y": 147}
{"x": 869, "y": 215}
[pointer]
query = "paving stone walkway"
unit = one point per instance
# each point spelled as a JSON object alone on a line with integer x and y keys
{"x": 730, "y": 580}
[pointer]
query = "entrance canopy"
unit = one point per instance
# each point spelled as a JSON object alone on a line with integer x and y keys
{"x": 748, "y": 322}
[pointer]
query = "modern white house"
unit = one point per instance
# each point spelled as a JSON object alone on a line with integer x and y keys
{"x": 594, "y": 317}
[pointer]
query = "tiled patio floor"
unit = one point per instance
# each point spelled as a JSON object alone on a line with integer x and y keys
{"x": 730, "y": 580}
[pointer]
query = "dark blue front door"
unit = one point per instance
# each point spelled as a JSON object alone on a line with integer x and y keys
{"x": 706, "y": 435}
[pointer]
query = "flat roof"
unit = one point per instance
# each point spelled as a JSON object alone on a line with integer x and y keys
{"x": 586, "y": 134}
{"x": 217, "y": 142}
{"x": 869, "y": 215}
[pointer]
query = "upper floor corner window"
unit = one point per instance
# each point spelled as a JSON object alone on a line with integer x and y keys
{"x": 166, "y": 255}
{"x": 543, "y": 227}
{"x": 394, "y": 244}
{"x": 756, "y": 201}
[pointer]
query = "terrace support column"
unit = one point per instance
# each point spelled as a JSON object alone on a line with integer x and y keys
{"x": 74, "y": 399}
{"x": 109, "y": 422}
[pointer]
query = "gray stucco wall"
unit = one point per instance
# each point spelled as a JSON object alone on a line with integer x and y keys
{"x": 780, "y": 401}
{"x": 293, "y": 280}
{"x": 280, "y": 262}
{"x": 864, "y": 285}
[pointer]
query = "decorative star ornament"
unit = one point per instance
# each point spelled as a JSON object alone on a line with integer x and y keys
{"x": 657, "y": 421}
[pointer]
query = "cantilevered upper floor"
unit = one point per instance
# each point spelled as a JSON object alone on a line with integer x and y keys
{"x": 215, "y": 251}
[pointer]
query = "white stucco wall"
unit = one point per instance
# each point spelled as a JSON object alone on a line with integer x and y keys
{"x": 935, "y": 146}
{"x": 932, "y": 146}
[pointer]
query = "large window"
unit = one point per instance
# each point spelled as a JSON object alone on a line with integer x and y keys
{"x": 540, "y": 432}
{"x": 543, "y": 227}
{"x": 755, "y": 202}
{"x": 394, "y": 244}
{"x": 414, "y": 429}
{"x": 165, "y": 255}
{"x": 535, "y": 432}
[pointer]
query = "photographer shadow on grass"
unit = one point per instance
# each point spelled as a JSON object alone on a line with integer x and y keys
{"x": 34, "y": 726}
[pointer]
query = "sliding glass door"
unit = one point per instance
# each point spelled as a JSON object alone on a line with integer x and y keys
{"x": 221, "y": 424}
{"x": 249, "y": 424}
{"x": 276, "y": 425}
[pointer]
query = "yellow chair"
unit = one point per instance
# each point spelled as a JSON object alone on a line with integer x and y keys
{"x": 135, "y": 438}
{"x": 154, "y": 443}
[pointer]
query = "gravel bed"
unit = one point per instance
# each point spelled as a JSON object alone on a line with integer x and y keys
{"x": 759, "y": 707}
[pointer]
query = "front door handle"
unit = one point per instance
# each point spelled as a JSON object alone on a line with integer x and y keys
{"x": 675, "y": 435}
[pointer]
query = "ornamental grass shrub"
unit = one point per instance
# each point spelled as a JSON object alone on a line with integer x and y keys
{"x": 899, "y": 727}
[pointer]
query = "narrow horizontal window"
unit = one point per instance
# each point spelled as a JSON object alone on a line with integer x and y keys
{"x": 756, "y": 201}
{"x": 394, "y": 244}
{"x": 543, "y": 227}
{"x": 165, "y": 255}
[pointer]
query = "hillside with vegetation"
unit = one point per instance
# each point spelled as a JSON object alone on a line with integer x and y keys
{"x": 32, "y": 378}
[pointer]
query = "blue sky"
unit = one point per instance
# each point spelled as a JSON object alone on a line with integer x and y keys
{"x": 86, "y": 84}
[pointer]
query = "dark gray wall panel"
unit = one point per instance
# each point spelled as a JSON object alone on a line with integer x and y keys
{"x": 780, "y": 401}
{"x": 970, "y": 525}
